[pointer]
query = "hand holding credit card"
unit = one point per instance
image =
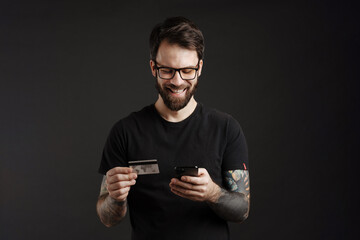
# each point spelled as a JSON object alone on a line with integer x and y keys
{"x": 144, "y": 167}
{"x": 119, "y": 181}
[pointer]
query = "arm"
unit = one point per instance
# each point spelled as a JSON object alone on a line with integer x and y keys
{"x": 231, "y": 204}
{"x": 110, "y": 211}
{"x": 115, "y": 186}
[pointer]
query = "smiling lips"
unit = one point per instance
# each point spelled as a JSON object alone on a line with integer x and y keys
{"x": 177, "y": 91}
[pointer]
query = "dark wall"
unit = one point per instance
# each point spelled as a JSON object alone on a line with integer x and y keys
{"x": 285, "y": 70}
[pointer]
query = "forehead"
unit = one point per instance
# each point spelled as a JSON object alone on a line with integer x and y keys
{"x": 173, "y": 55}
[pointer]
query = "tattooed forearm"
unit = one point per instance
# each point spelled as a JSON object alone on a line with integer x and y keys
{"x": 233, "y": 203}
{"x": 110, "y": 211}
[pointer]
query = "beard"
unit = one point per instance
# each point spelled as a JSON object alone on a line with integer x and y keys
{"x": 174, "y": 103}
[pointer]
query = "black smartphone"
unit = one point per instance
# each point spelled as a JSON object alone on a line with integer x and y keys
{"x": 186, "y": 171}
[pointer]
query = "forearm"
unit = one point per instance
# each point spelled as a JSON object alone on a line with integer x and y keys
{"x": 231, "y": 206}
{"x": 110, "y": 211}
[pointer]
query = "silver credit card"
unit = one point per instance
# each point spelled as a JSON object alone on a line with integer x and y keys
{"x": 143, "y": 167}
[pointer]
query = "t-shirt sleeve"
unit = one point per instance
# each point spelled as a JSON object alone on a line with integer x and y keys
{"x": 236, "y": 152}
{"x": 114, "y": 154}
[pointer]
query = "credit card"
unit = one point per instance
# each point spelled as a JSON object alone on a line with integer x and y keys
{"x": 143, "y": 167}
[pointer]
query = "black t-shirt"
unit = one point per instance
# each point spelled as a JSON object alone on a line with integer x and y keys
{"x": 207, "y": 138}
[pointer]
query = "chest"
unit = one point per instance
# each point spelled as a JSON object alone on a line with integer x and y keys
{"x": 190, "y": 145}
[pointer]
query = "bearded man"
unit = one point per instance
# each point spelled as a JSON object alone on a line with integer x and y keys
{"x": 176, "y": 132}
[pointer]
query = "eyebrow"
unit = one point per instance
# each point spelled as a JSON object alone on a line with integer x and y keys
{"x": 160, "y": 65}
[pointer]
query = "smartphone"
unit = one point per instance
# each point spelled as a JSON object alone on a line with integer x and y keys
{"x": 186, "y": 171}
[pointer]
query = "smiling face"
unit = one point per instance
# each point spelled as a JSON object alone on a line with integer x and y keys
{"x": 176, "y": 92}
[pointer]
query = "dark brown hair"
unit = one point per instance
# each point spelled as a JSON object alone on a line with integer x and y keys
{"x": 177, "y": 30}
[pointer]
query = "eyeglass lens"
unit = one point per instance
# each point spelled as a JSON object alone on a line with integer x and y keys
{"x": 185, "y": 73}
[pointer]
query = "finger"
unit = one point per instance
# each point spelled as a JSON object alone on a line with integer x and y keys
{"x": 202, "y": 171}
{"x": 185, "y": 196}
{"x": 119, "y": 192}
{"x": 197, "y": 191}
{"x": 186, "y": 185}
{"x": 121, "y": 177}
{"x": 123, "y": 197}
{"x": 201, "y": 180}
{"x": 120, "y": 197}
{"x": 119, "y": 185}
{"x": 117, "y": 170}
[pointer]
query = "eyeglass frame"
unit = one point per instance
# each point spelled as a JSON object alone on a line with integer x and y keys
{"x": 178, "y": 70}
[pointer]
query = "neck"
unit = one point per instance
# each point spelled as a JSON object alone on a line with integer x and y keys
{"x": 175, "y": 116}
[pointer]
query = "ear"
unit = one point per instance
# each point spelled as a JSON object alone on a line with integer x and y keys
{"x": 152, "y": 67}
{"x": 201, "y": 63}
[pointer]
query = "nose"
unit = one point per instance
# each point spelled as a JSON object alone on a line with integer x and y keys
{"x": 176, "y": 80}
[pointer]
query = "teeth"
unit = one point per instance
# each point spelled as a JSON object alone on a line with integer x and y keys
{"x": 177, "y": 91}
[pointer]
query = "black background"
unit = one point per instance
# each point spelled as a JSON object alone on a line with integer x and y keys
{"x": 285, "y": 70}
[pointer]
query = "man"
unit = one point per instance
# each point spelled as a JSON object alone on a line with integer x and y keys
{"x": 175, "y": 131}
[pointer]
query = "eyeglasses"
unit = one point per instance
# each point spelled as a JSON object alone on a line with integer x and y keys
{"x": 168, "y": 73}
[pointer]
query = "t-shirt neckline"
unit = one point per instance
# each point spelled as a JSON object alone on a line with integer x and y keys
{"x": 181, "y": 123}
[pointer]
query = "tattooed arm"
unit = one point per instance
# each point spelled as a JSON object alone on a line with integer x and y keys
{"x": 233, "y": 203}
{"x": 115, "y": 186}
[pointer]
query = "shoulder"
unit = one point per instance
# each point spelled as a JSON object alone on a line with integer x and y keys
{"x": 135, "y": 118}
{"x": 218, "y": 117}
